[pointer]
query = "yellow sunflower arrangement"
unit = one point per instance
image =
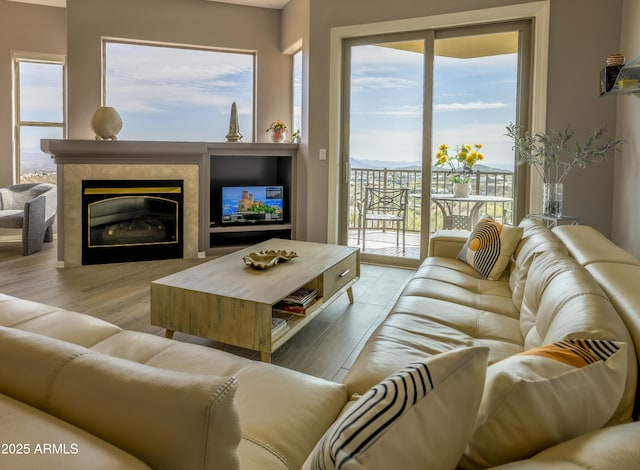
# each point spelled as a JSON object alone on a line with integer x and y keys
{"x": 461, "y": 163}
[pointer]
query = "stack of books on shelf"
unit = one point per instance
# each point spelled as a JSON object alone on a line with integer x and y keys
{"x": 301, "y": 302}
{"x": 278, "y": 326}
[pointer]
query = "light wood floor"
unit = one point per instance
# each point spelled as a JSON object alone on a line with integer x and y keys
{"x": 119, "y": 293}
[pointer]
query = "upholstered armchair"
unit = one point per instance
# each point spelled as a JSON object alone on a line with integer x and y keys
{"x": 32, "y": 208}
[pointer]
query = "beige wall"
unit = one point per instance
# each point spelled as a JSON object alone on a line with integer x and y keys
{"x": 190, "y": 22}
{"x": 23, "y": 28}
{"x": 583, "y": 33}
{"x": 626, "y": 195}
{"x": 578, "y": 50}
{"x": 295, "y": 35}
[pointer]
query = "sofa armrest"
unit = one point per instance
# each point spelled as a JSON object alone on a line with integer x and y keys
{"x": 447, "y": 243}
{"x": 167, "y": 419}
{"x": 34, "y": 227}
{"x": 612, "y": 448}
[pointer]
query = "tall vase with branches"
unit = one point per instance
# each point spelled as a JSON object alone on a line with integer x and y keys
{"x": 552, "y": 157}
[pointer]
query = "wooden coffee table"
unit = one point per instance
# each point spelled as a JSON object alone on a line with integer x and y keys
{"x": 227, "y": 301}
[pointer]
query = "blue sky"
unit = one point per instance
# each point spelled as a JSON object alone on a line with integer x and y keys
{"x": 185, "y": 94}
{"x": 474, "y": 99}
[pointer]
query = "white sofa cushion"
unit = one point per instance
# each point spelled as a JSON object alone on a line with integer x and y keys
{"x": 420, "y": 417}
{"x": 613, "y": 448}
{"x": 544, "y": 396}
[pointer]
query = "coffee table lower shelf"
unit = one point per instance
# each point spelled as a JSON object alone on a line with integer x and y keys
{"x": 296, "y": 323}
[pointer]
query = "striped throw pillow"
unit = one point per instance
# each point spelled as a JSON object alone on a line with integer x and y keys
{"x": 419, "y": 417}
{"x": 490, "y": 246}
{"x": 545, "y": 396}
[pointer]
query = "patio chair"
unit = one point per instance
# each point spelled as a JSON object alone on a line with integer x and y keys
{"x": 385, "y": 206}
{"x": 32, "y": 208}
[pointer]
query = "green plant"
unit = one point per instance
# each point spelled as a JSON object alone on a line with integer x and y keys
{"x": 277, "y": 126}
{"x": 460, "y": 164}
{"x": 550, "y": 155}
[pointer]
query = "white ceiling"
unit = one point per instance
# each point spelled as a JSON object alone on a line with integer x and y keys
{"x": 278, "y": 4}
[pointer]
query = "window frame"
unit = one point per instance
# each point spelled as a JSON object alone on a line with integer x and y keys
{"x": 538, "y": 11}
{"x": 39, "y": 58}
{"x": 296, "y": 59}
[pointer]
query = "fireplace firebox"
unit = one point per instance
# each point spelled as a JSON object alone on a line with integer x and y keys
{"x": 126, "y": 220}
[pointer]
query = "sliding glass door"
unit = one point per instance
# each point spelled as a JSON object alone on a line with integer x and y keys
{"x": 477, "y": 78}
{"x": 414, "y": 107}
{"x": 383, "y": 146}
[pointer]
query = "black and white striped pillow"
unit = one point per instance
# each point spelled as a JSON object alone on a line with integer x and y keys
{"x": 373, "y": 414}
{"x": 403, "y": 421}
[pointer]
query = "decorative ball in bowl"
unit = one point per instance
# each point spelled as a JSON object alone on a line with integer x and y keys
{"x": 266, "y": 259}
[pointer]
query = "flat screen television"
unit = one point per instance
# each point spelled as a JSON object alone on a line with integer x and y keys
{"x": 252, "y": 204}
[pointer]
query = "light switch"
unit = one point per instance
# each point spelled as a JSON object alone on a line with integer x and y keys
{"x": 323, "y": 154}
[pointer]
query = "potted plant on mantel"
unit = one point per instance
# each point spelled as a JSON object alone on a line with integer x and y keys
{"x": 549, "y": 154}
{"x": 278, "y": 131}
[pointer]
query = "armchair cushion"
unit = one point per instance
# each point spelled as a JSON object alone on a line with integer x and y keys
{"x": 31, "y": 207}
{"x": 11, "y": 218}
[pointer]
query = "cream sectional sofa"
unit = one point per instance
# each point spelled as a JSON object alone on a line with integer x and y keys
{"x": 571, "y": 282}
{"x": 114, "y": 399}
{"x": 77, "y": 392}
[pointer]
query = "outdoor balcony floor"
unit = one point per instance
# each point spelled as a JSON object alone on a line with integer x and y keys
{"x": 383, "y": 243}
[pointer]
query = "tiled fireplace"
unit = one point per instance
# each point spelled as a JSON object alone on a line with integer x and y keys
{"x": 135, "y": 162}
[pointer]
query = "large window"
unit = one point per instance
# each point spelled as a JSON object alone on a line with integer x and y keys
{"x": 40, "y": 114}
{"x": 297, "y": 93}
{"x": 178, "y": 93}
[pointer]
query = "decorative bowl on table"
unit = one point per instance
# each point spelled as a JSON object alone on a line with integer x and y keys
{"x": 266, "y": 259}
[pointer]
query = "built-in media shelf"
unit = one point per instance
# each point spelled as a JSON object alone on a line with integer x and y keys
{"x": 255, "y": 167}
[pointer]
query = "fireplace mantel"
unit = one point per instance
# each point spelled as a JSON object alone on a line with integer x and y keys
{"x": 124, "y": 152}
{"x": 79, "y": 160}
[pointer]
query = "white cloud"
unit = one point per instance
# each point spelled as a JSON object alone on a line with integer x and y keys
{"x": 469, "y": 106}
{"x": 399, "y": 111}
{"x": 361, "y": 83}
{"x": 377, "y": 57}
{"x": 152, "y": 79}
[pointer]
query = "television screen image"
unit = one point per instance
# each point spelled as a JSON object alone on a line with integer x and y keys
{"x": 252, "y": 204}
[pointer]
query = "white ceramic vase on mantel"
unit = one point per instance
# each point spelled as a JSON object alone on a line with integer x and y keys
{"x": 278, "y": 137}
{"x": 106, "y": 123}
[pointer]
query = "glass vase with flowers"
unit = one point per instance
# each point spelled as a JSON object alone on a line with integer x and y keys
{"x": 460, "y": 165}
{"x": 551, "y": 157}
{"x": 278, "y": 131}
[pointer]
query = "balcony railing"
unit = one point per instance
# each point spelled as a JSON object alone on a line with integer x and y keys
{"x": 485, "y": 183}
